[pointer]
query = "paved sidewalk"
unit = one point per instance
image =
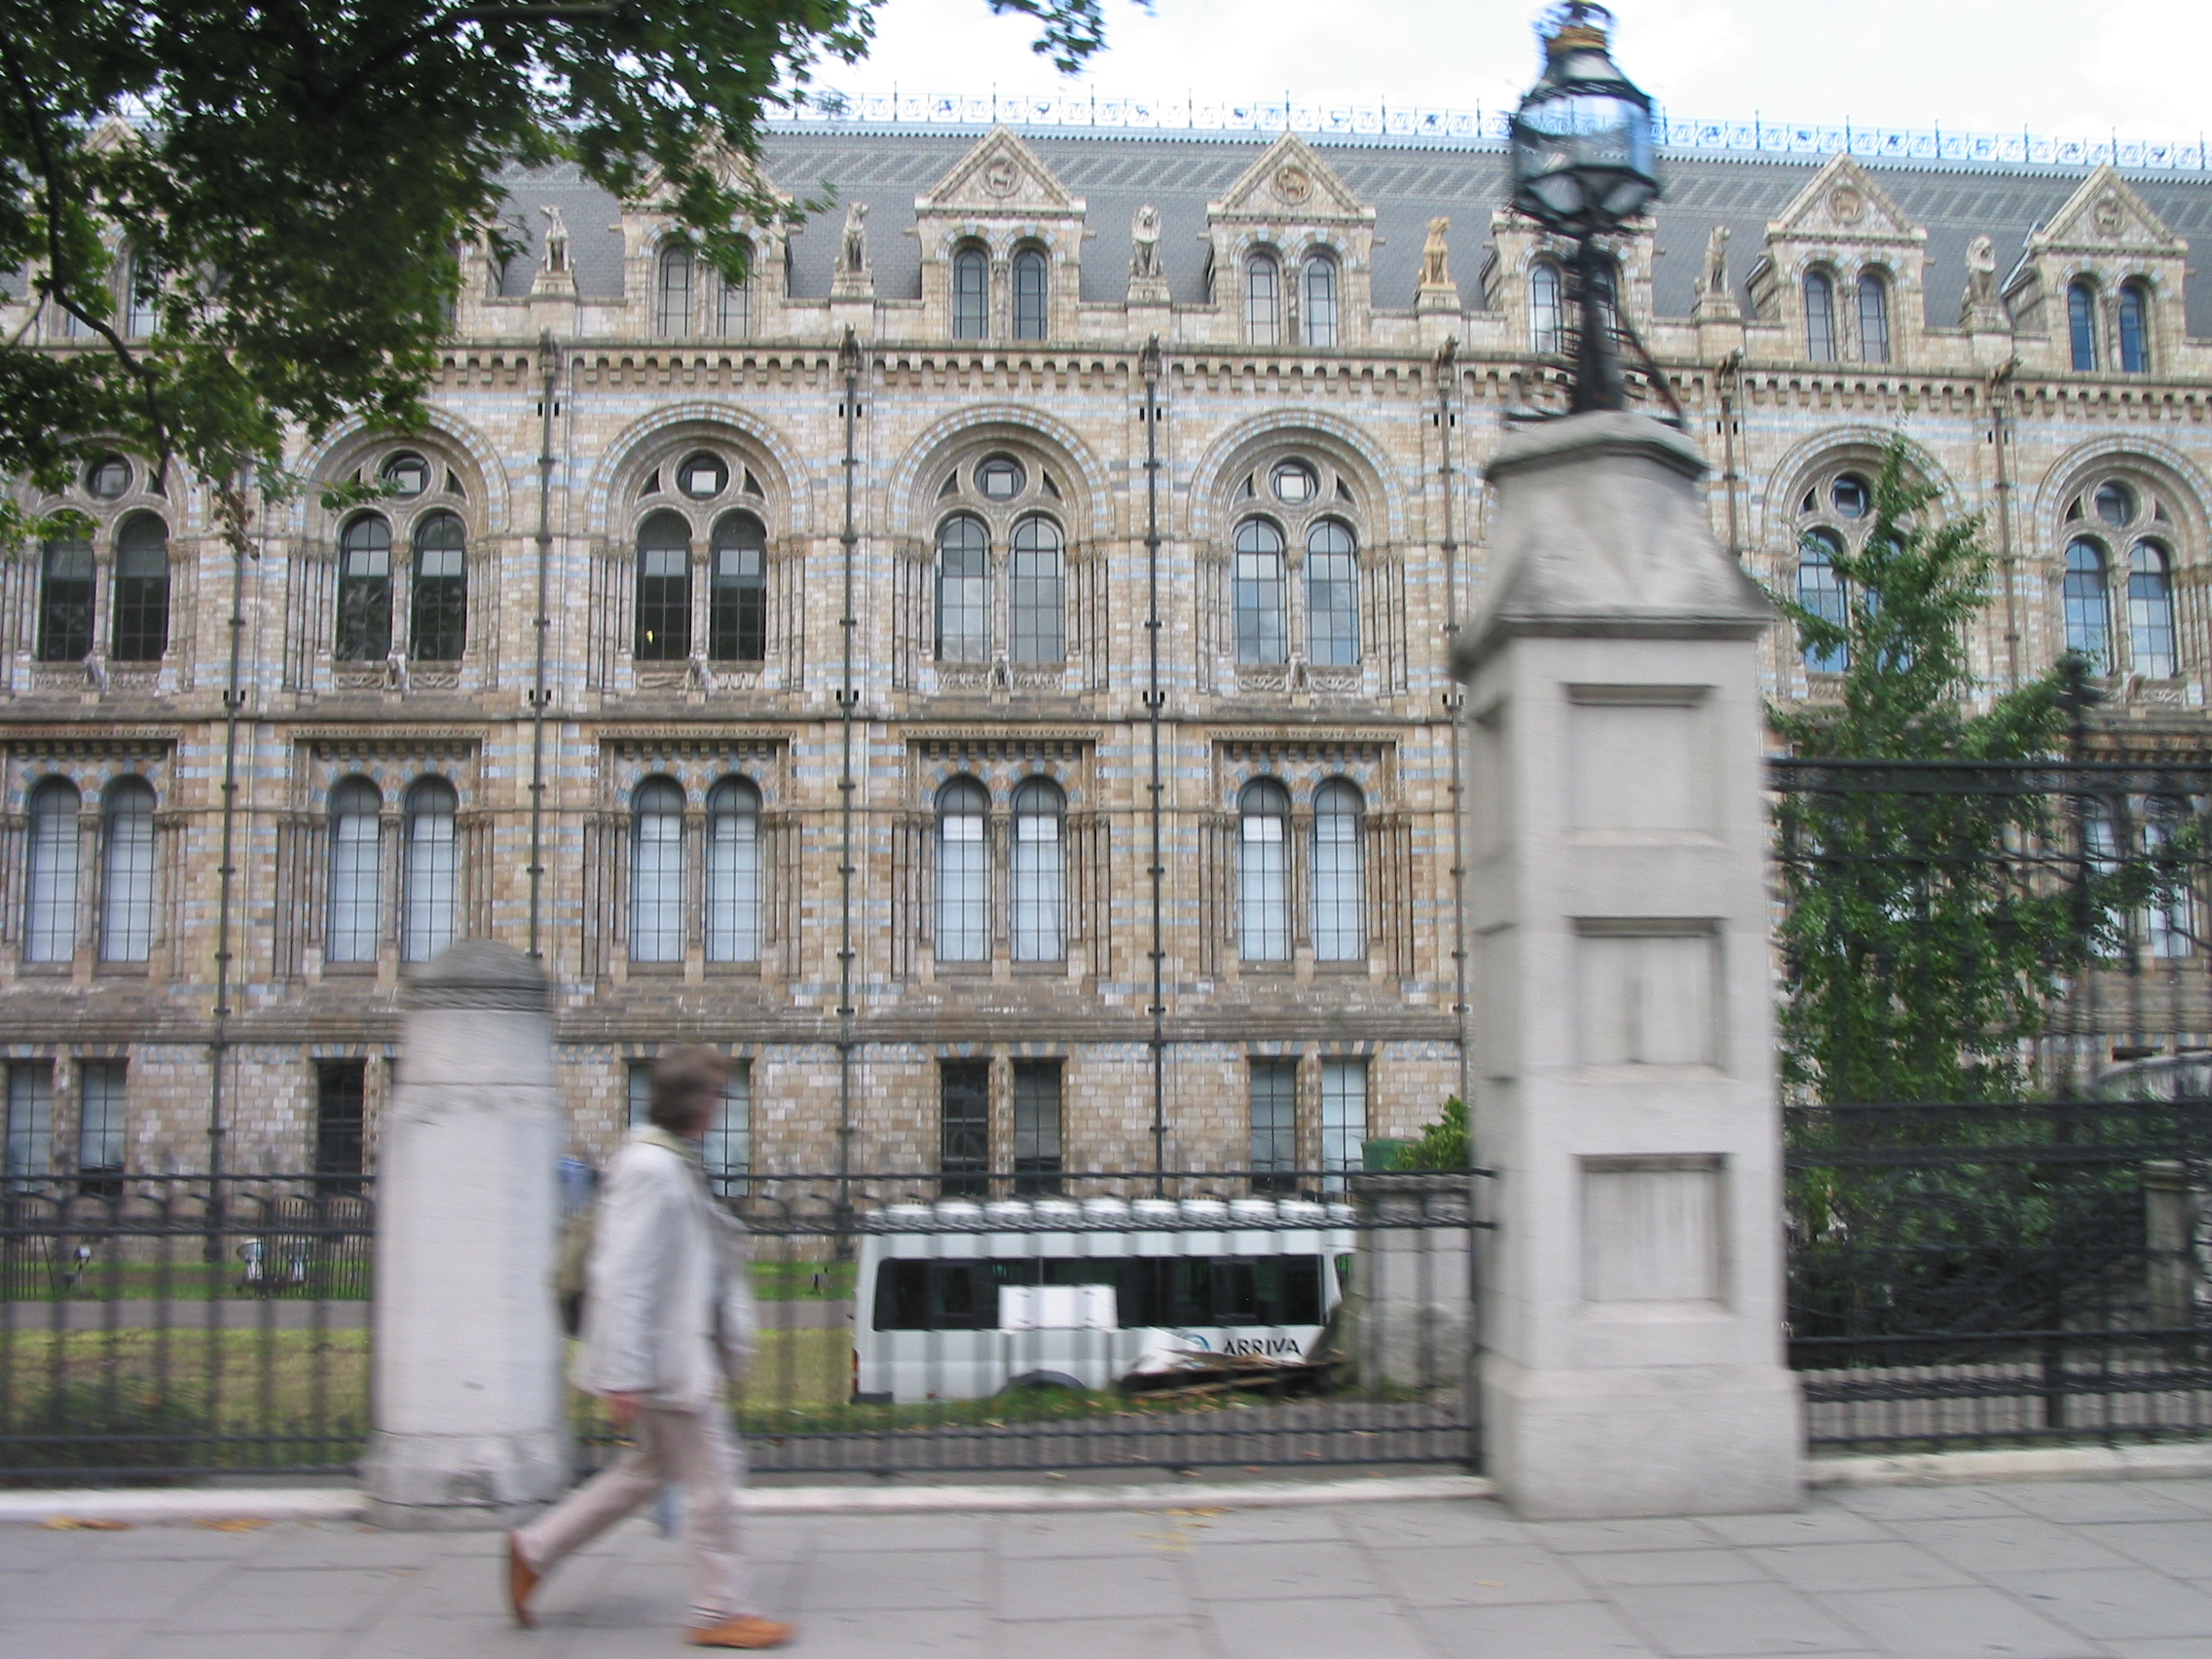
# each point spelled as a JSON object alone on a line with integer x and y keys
{"x": 2043, "y": 1571}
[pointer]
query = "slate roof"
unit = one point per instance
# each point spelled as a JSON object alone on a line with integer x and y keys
{"x": 1407, "y": 186}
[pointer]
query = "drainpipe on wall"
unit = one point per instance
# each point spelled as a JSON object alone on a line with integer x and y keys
{"x": 1725, "y": 375}
{"x": 549, "y": 367}
{"x": 1456, "y": 701}
{"x": 1999, "y": 379}
{"x": 226, "y": 866}
{"x": 1149, "y": 365}
{"x": 849, "y": 360}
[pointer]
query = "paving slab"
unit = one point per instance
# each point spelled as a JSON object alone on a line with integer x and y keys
{"x": 1734, "y": 1619}
{"x": 2116, "y": 1604}
{"x": 1970, "y": 1623}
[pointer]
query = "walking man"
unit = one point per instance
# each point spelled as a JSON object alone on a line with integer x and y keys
{"x": 668, "y": 1315}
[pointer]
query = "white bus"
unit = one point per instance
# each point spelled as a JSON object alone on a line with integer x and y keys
{"x": 958, "y": 1299}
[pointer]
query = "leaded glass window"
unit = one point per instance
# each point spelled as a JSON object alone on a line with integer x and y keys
{"x": 656, "y": 872}
{"x": 963, "y": 1128}
{"x": 1030, "y": 295}
{"x": 970, "y": 294}
{"x": 664, "y": 589}
{"x": 1820, "y": 318}
{"x": 1340, "y": 873}
{"x": 127, "y": 876}
{"x": 66, "y": 603}
{"x": 726, "y": 1147}
{"x": 1321, "y": 302}
{"x": 1546, "y": 327}
{"x": 733, "y": 873}
{"x": 1332, "y": 595}
{"x": 737, "y": 623}
{"x": 963, "y": 874}
{"x": 1274, "y": 1125}
{"x": 29, "y": 1143}
{"x": 141, "y": 624}
{"x": 49, "y": 919}
{"x": 1343, "y": 1117}
{"x": 1873, "y": 318}
{"x": 431, "y": 872}
{"x": 1036, "y": 1128}
{"x": 2088, "y": 604}
{"x": 735, "y": 304}
{"x": 672, "y": 311}
{"x": 364, "y": 590}
{"x": 1263, "y": 300}
{"x": 1040, "y": 872}
{"x": 142, "y": 296}
{"x": 2082, "y": 324}
{"x": 963, "y": 591}
{"x": 356, "y": 872}
{"x": 2149, "y": 612}
{"x": 1037, "y": 602}
{"x": 102, "y": 1126}
{"x": 2134, "y": 329}
{"x": 1256, "y": 584}
{"x": 1821, "y": 590}
{"x": 440, "y": 600}
{"x": 1263, "y": 872}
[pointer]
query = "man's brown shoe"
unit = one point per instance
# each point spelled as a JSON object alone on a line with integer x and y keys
{"x": 522, "y": 1581}
{"x": 747, "y": 1629}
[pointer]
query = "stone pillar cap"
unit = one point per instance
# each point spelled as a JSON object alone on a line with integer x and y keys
{"x": 477, "y": 973}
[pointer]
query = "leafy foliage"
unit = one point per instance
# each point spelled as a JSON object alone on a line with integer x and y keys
{"x": 1441, "y": 1145}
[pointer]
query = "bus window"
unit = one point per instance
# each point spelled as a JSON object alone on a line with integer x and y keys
{"x": 1150, "y": 1291}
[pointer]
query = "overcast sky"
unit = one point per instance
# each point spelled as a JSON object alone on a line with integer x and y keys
{"x": 2075, "y": 68}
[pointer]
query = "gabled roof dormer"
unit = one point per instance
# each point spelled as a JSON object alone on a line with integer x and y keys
{"x": 1845, "y": 227}
{"x": 1291, "y": 207}
{"x": 1001, "y": 201}
{"x": 2107, "y": 236}
{"x": 650, "y": 304}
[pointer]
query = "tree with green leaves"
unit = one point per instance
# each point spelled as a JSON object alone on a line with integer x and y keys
{"x": 285, "y": 188}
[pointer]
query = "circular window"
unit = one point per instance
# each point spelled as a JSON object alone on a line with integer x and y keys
{"x": 702, "y": 476}
{"x": 1294, "y": 482}
{"x": 407, "y": 476}
{"x": 108, "y": 477}
{"x": 1852, "y": 496}
{"x": 1000, "y": 478}
{"x": 2115, "y": 503}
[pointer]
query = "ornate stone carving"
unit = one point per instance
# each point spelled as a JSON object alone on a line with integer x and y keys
{"x": 1293, "y": 183}
{"x": 1436, "y": 255}
{"x": 851, "y": 245}
{"x": 1847, "y": 205}
{"x": 555, "y": 258}
{"x": 1144, "y": 245}
{"x": 1001, "y": 176}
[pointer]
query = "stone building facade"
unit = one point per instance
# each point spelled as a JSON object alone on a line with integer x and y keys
{"x": 840, "y": 724}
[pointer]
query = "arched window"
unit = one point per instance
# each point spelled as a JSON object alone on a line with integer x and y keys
{"x": 356, "y": 872}
{"x": 656, "y": 872}
{"x": 127, "y": 880}
{"x": 440, "y": 627}
{"x": 963, "y": 874}
{"x": 1263, "y": 872}
{"x": 737, "y": 619}
{"x": 1332, "y": 595}
{"x": 2149, "y": 612}
{"x": 1873, "y": 317}
{"x": 1040, "y": 874}
{"x": 672, "y": 311}
{"x": 1036, "y": 599}
{"x": 970, "y": 294}
{"x": 141, "y": 625}
{"x": 963, "y": 590}
{"x": 1263, "y": 300}
{"x": 1546, "y": 333}
{"x": 364, "y": 590}
{"x": 142, "y": 296}
{"x": 1340, "y": 873}
{"x": 50, "y": 910}
{"x": 2082, "y": 324}
{"x": 66, "y": 603}
{"x": 1257, "y": 593}
{"x": 431, "y": 872}
{"x": 735, "y": 303}
{"x": 1321, "y": 301}
{"x": 733, "y": 873}
{"x": 1819, "y": 590}
{"x": 2134, "y": 329}
{"x": 2089, "y": 606}
{"x": 1029, "y": 295}
{"x": 664, "y": 589}
{"x": 1820, "y": 318}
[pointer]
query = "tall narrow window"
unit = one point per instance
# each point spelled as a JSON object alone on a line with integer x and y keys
{"x": 1263, "y": 301}
{"x": 1257, "y": 593}
{"x": 1340, "y": 873}
{"x": 1344, "y": 1117}
{"x": 735, "y": 303}
{"x": 1546, "y": 332}
{"x": 1036, "y": 600}
{"x": 2089, "y": 606}
{"x": 1029, "y": 295}
{"x": 29, "y": 1146}
{"x": 49, "y": 919}
{"x": 142, "y": 626}
{"x": 664, "y": 589}
{"x": 1036, "y": 1128}
{"x": 66, "y": 603}
{"x": 341, "y": 1117}
{"x": 1819, "y": 590}
{"x": 1321, "y": 302}
{"x": 102, "y": 1128}
{"x": 2082, "y": 324}
{"x": 970, "y": 294}
{"x": 1040, "y": 874}
{"x": 726, "y": 1147}
{"x": 356, "y": 809}
{"x": 963, "y": 1128}
{"x": 963, "y": 591}
{"x": 963, "y": 874}
{"x": 2149, "y": 612}
{"x": 1332, "y": 595}
{"x": 432, "y": 872}
{"x": 640, "y": 1093}
{"x": 364, "y": 591}
{"x": 143, "y": 296}
{"x": 1820, "y": 318}
{"x": 127, "y": 876}
{"x": 1873, "y": 318}
{"x": 671, "y": 313}
{"x": 1274, "y": 1125}
{"x": 1263, "y": 872}
{"x": 656, "y": 872}
{"x": 2169, "y": 922}
{"x": 733, "y": 873}
{"x": 737, "y": 623}
{"x": 2134, "y": 329}
{"x": 440, "y": 625}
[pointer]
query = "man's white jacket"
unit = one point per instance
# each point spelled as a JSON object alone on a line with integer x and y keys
{"x": 668, "y": 1303}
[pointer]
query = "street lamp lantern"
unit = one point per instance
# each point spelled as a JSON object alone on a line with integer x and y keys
{"x": 1582, "y": 167}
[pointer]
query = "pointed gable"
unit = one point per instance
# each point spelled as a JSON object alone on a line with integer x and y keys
{"x": 1000, "y": 176}
{"x": 1844, "y": 203}
{"x": 1290, "y": 182}
{"x": 2106, "y": 216}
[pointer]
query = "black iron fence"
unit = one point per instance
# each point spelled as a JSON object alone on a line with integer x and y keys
{"x": 156, "y": 1326}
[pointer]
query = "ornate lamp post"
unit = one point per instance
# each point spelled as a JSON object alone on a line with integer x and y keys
{"x": 1582, "y": 167}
